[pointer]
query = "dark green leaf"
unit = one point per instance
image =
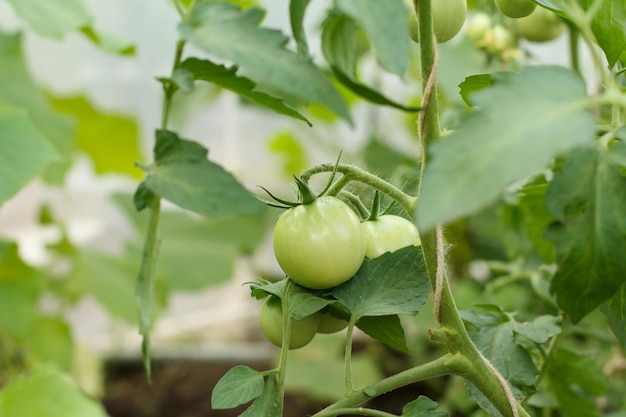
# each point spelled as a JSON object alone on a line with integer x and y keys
{"x": 25, "y": 151}
{"x": 522, "y": 122}
{"x": 269, "y": 404}
{"x": 386, "y": 25}
{"x": 274, "y": 288}
{"x": 574, "y": 380}
{"x": 227, "y": 78}
{"x": 52, "y": 19}
{"x": 540, "y": 330}
{"x": 394, "y": 283}
{"x": 588, "y": 198}
{"x": 143, "y": 197}
{"x": 474, "y": 84}
{"x": 422, "y": 407}
{"x": 185, "y": 177}
{"x": 609, "y": 27}
{"x": 386, "y": 329}
{"x": 238, "y": 386}
{"x": 226, "y": 31}
{"x": 303, "y": 302}
{"x": 297, "y": 9}
{"x": 615, "y": 312}
{"x": 46, "y": 393}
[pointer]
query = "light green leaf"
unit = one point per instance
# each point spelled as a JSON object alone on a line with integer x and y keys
{"x": 18, "y": 90}
{"x": 227, "y": 78}
{"x": 615, "y": 312}
{"x": 297, "y": 9}
{"x": 110, "y": 140}
{"x": 522, "y": 122}
{"x": 269, "y": 404}
{"x": 25, "y": 151}
{"x": 588, "y": 199}
{"x": 394, "y": 283}
{"x": 386, "y": 25}
{"x": 238, "y": 386}
{"x": 49, "y": 341}
{"x": 108, "y": 42}
{"x": 609, "y": 27}
{"x": 226, "y": 31}
{"x": 540, "y": 330}
{"x": 292, "y": 153}
{"x": 474, "y": 84}
{"x": 52, "y": 18}
{"x": 46, "y": 393}
{"x": 184, "y": 176}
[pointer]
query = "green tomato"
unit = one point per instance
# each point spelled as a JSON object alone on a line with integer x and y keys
{"x": 478, "y": 26}
{"x": 329, "y": 323}
{"x": 501, "y": 39}
{"x": 542, "y": 25}
{"x": 319, "y": 245}
{"x": 302, "y": 331}
{"x": 448, "y": 18}
{"x": 516, "y": 8}
{"x": 388, "y": 233}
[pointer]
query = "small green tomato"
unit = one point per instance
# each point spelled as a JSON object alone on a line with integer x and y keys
{"x": 388, "y": 233}
{"x": 302, "y": 331}
{"x": 516, "y": 8}
{"x": 542, "y": 25}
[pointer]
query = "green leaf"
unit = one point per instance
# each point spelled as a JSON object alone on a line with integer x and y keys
{"x": 385, "y": 23}
{"x": 269, "y": 404}
{"x": 588, "y": 199}
{"x": 340, "y": 45}
{"x": 108, "y": 42}
{"x": 25, "y": 151}
{"x": 227, "y": 78}
{"x": 422, "y": 407}
{"x": 46, "y": 393}
{"x": 540, "y": 330}
{"x": 297, "y": 9}
{"x": 49, "y": 341}
{"x": 303, "y": 302}
{"x": 474, "y": 84}
{"x": 574, "y": 380}
{"x": 615, "y": 312}
{"x": 292, "y": 153}
{"x": 522, "y": 122}
{"x": 110, "y": 140}
{"x": 238, "y": 386}
{"x": 609, "y": 27}
{"x": 19, "y": 91}
{"x": 52, "y": 19}
{"x": 184, "y": 176}
{"x": 394, "y": 283}
{"x": 386, "y": 329}
{"x": 226, "y": 31}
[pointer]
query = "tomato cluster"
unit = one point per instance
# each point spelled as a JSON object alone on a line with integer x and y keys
{"x": 323, "y": 244}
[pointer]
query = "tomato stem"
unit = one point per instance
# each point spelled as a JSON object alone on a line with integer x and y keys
{"x": 348, "y": 358}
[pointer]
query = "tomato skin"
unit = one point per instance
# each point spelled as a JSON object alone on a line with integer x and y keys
{"x": 448, "y": 18}
{"x": 302, "y": 331}
{"x": 542, "y": 25}
{"x": 329, "y": 323}
{"x": 516, "y": 8}
{"x": 388, "y": 233}
{"x": 319, "y": 245}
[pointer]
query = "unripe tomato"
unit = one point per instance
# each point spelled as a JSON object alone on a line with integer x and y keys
{"x": 448, "y": 18}
{"x": 329, "y": 323}
{"x": 302, "y": 331}
{"x": 479, "y": 24}
{"x": 516, "y": 8}
{"x": 319, "y": 245}
{"x": 501, "y": 39}
{"x": 388, "y": 233}
{"x": 542, "y": 25}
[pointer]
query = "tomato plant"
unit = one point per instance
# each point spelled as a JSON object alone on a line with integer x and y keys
{"x": 388, "y": 233}
{"x": 319, "y": 245}
{"x": 302, "y": 331}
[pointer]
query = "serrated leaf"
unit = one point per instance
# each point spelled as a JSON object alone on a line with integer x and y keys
{"x": 184, "y": 176}
{"x": 385, "y": 23}
{"x": 227, "y": 78}
{"x": 108, "y": 42}
{"x": 474, "y": 84}
{"x": 422, "y": 407}
{"x": 386, "y": 329}
{"x": 609, "y": 27}
{"x": 25, "y": 151}
{"x": 52, "y": 19}
{"x": 238, "y": 386}
{"x": 275, "y": 288}
{"x": 615, "y": 312}
{"x": 340, "y": 46}
{"x": 268, "y": 404}
{"x": 226, "y": 31}
{"x": 46, "y": 393}
{"x": 303, "y": 302}
{"x": 588, "y": 199}
{"x": 522, "y": 122}
{"x": 394, "y": 283}
{"x": 540, "y": 330}
{"x": 574, "y": 380}
{"x": 297, "y": 9}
